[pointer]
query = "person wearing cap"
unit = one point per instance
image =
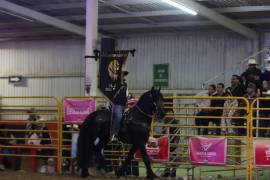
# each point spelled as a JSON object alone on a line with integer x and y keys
{"x": 252, "y": 74}
{"x": 120, "y": 99}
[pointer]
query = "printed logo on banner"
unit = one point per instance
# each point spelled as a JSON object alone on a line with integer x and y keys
{"x": 261, "y": 148}
{"x": 76, "y": 110}
{"x": 157, "y": 149}
{"x": 207, "y": 150}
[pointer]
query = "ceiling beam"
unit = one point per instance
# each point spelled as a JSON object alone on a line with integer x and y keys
{"x": 243, "y": 9}
{"x": 142, "y": 25}
{"x": 128, "y": 2}
{"x": 164, "y": 13}
{"x": 54, "y": 6}
{"x": 219, "y": 18}
{"x": 34, "y": 15}
{"x": 179, "y": 24}
{"x": 66, "y": 5}
{"x": 179, "y": 12}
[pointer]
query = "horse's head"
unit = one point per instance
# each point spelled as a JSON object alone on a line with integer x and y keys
{"x": 158, "y": 106}
{"x": 151, "y": 103}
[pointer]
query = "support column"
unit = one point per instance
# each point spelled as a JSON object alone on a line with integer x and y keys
{"x": 91, "y": 66}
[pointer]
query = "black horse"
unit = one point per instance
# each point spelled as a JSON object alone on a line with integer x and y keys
{"x": 135, "y": 129}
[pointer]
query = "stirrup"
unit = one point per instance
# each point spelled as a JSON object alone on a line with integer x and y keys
{"x": 113, "y": 138}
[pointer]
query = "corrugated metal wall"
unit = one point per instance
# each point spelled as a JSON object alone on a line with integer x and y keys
{"x": 193, "y": 57}
{"x": 42, "y": 58}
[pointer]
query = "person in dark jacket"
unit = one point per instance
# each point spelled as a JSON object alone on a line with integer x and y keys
{"x": 217, "y": 103}
{"x": 264, "y": 103}
{"x": 252, "y": 74}
{"x": 237, "y": 89}
{"x": 119, "y": 100}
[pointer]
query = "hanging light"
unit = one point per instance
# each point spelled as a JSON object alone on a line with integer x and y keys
{"x": 182, "y": 7}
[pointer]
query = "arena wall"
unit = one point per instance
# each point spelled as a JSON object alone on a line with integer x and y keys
{"x": 56, "y": 67}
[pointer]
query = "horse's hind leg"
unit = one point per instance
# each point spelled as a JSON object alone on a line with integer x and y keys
{"x": 123, "y": 168}
{"x": 150, "y": 174}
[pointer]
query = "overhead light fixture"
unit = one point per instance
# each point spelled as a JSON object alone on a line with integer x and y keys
{"x": 182, "y": 7}
{"x": 16, "y": 15}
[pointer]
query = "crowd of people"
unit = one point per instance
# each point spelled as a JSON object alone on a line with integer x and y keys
{"x": 250, "y": 84}
{"x": 35, "y": 132}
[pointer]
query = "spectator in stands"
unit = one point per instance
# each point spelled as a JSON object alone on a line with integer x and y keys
{"x": 7, "y": 138}
{"x": 40, "y": 138}
{"x": 250, "y": 95}
{"x": 217, "y": 103}
{"x": 204, "y": 112}
{"x": 264, "y": 113}
{"x": 252, "y": 74}
{"x": 266, "y": 76}
{"x": 32, "y": 117}
{"x": 170, "y": 170}
{"x": 45, "y": 138}
{"x": 236, "y": 89}
{"x": 67, "y": 140}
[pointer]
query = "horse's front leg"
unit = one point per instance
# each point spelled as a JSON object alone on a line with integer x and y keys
{"x": 150, "y": 174}
{"x": 100, "y": 157}
{"x": 123, "y": 168}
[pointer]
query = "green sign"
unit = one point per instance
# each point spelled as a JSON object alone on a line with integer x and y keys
{"x": 161, "y": 75}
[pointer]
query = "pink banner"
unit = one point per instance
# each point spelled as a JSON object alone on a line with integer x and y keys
{"x": 208, "y": 150}
{"x": 76, "y": 110}
{"x": 261, "y": 152}
{"x": 157, "y": 149}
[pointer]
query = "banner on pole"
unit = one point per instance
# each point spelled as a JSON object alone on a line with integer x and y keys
{"x": 110, "y": 72}
{"x": 76, "y": 110}
{"x": 208, "y": 150}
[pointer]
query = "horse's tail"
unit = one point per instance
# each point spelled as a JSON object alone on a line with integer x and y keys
{"x": 87, "y": 136}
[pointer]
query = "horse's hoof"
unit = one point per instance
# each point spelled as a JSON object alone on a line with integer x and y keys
{"x": 93, "y": 172}
{"x": 119, "y": 172}
{"x": 110, "y": 175}
{"x": 84, "y": 173}
{"x": 152, "y": 177}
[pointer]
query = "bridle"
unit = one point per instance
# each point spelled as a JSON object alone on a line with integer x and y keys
{"x": 144, "y": 113}
{"x": 155, "y": 108}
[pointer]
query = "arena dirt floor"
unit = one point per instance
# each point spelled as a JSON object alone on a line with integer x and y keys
{"x": 29, "y": 176}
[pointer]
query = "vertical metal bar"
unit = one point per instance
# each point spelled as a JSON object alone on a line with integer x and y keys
{"x": 257, "y": 120}
{"x": 249, "y": 142}
{"x": 91, "y": 66}
{"x": 60, "y": 138}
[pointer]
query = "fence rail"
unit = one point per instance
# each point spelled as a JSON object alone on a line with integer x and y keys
{"x": 238, "y": 120}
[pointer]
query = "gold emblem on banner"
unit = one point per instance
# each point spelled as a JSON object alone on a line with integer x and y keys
{"x": 113, "y": 69}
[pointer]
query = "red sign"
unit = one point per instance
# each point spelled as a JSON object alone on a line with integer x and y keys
{"x": 157, "y": 149}
{"x": 208, "y": 150}
{"x": 261, "y": 148}
{"x": 76, "y": 110}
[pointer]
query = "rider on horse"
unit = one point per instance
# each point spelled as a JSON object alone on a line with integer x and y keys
{"x": 119, "y": 100}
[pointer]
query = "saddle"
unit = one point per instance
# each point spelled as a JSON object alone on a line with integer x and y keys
{"x": 128, "y": 121}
